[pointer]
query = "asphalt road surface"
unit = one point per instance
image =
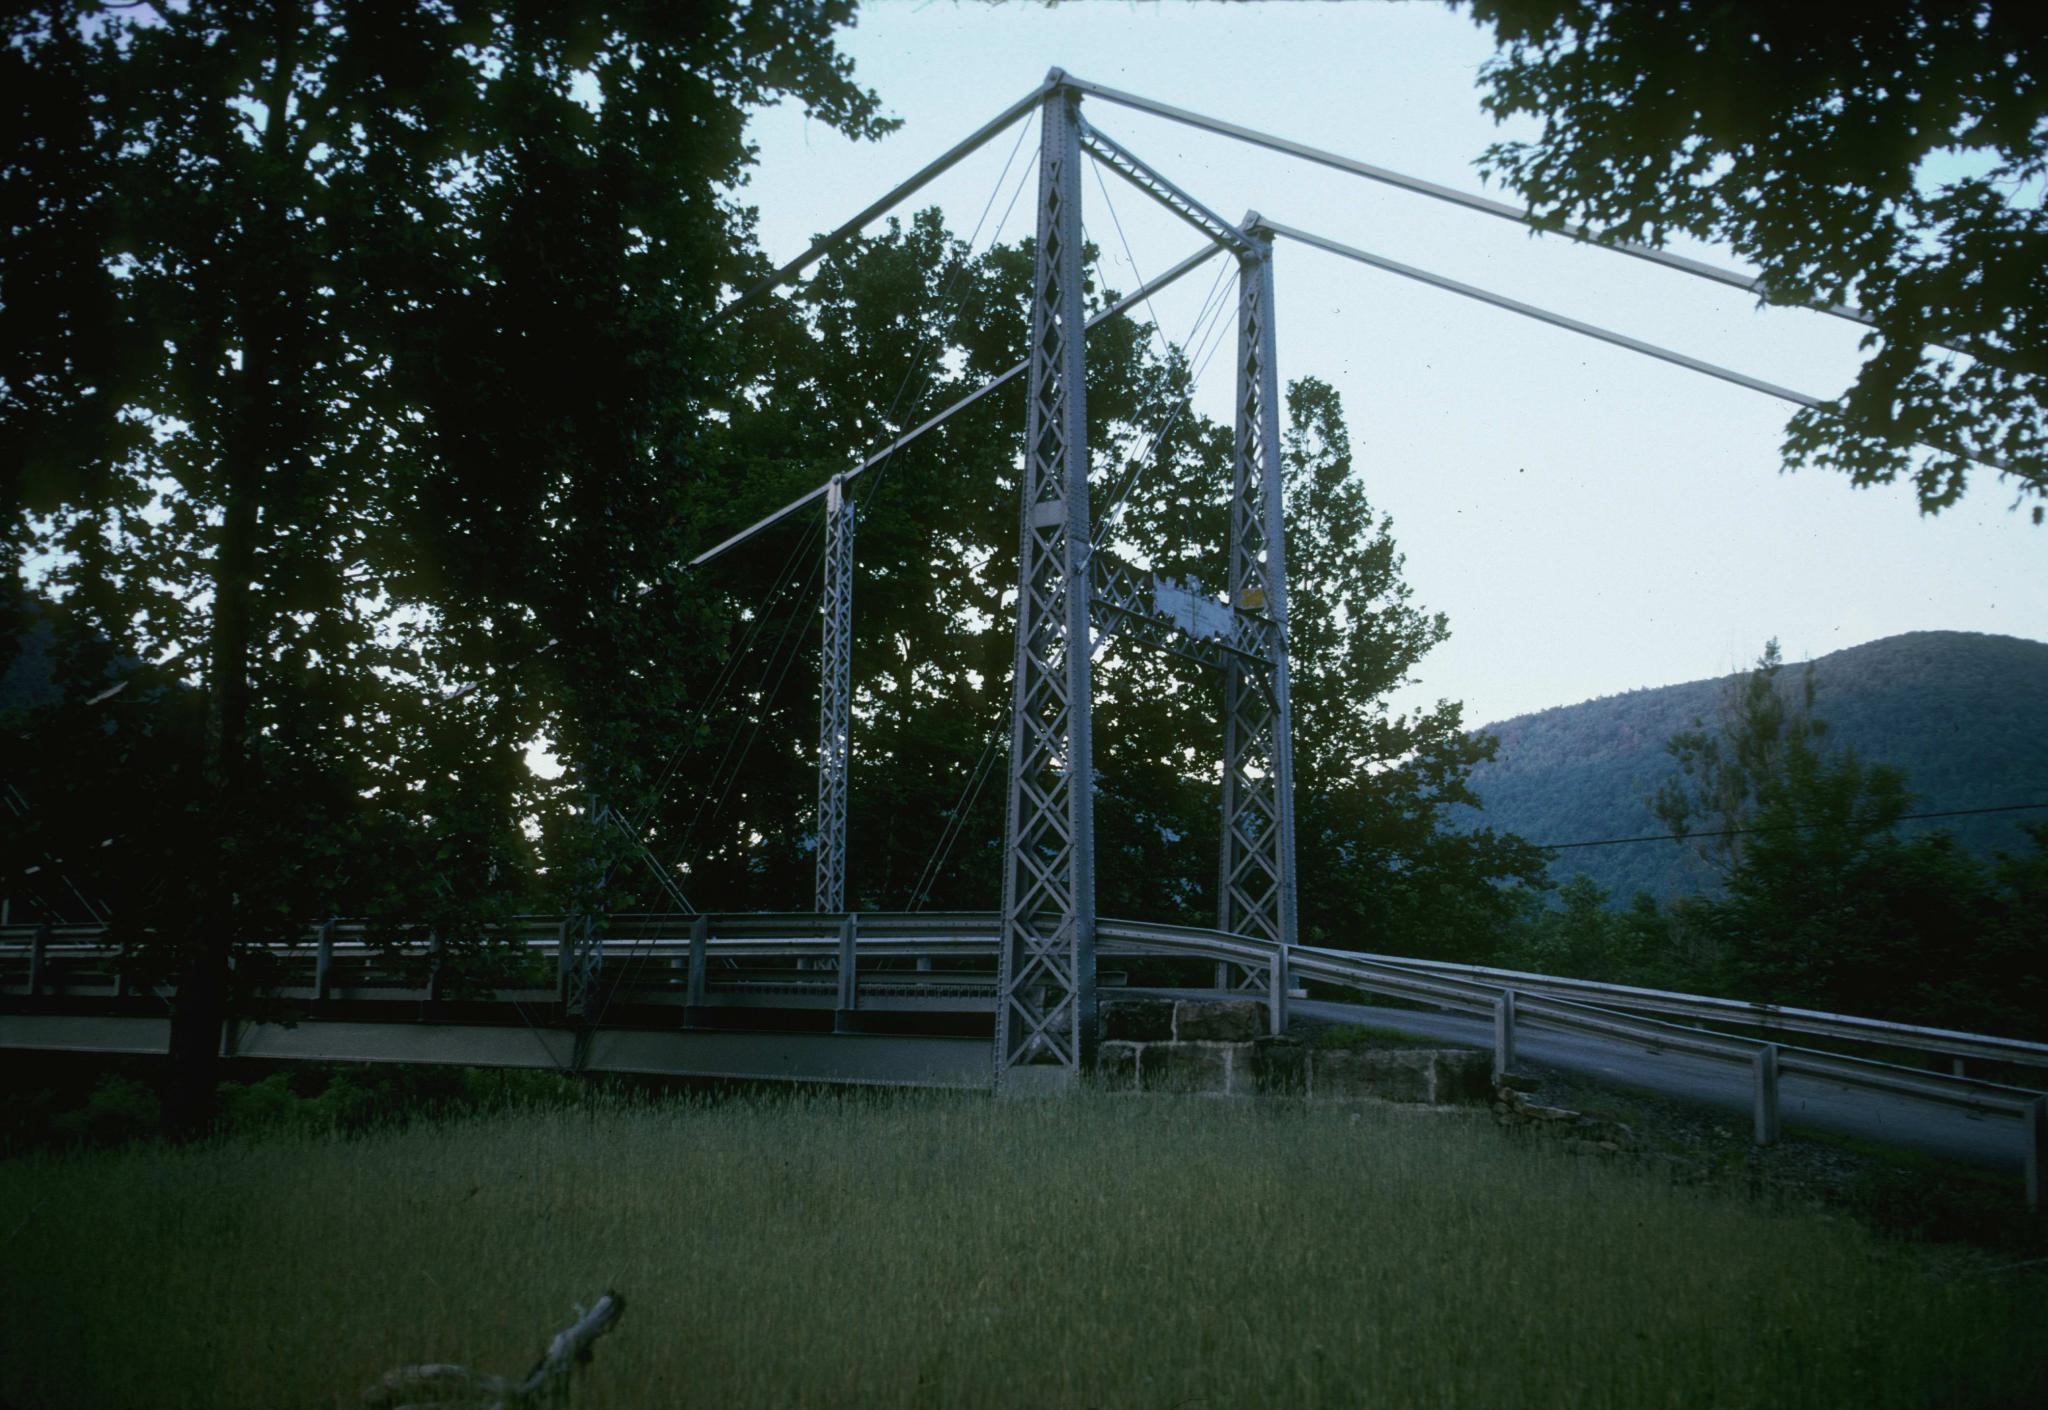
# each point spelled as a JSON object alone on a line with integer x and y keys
{"x": 1809, "y": 1102}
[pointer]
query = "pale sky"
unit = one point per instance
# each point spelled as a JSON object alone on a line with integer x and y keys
{"x": 1591, "y": 520}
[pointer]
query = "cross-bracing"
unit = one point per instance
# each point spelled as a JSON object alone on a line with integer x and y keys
{"x": 1072, "y": 592}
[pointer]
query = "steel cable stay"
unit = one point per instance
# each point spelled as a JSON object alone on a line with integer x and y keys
{"x": 724, "y": 779}
{"x": 984, "y": 768}
{"x": 1504, "y": 210}
{"x": 1590, "y": 330}
{"x": 803, "y": 547}
{"x": 765, "y": 694}
{"x": 728, "y": 671}
{"x": 1204, "y": 336}
{"x": 1578, "y": 234}
{"x": 634, "y": 952}
{"x": 882, "y": 459}
{"x": 1205, "y": 343}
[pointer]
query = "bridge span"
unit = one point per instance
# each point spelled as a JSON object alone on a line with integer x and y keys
{"x": 910, "y": 999}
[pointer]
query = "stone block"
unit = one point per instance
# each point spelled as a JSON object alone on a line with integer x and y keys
{"x": 1389, "y": 1075}
{"x": 1279, "y": 1067}
{"x": 1462, "y": 1075}
{"x": 1219, "y": 1020}
{"x": 1137, "y": 1020}
{"x": 1186, "y": 1067}
{"x": 1116, "y": 1066}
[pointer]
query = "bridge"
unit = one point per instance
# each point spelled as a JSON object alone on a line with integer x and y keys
{"x": 1004, "y": 1000}
{"x": 909, "y": 1000}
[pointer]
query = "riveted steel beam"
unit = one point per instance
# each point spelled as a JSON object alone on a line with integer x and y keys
{"x": 1135, "y": 170}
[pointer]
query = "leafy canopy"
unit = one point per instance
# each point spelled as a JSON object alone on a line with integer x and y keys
{"x": 354, "y": 378}
{"x": 1889, "y": 155}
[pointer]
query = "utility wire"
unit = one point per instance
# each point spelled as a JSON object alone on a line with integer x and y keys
{"x": 1780, "y": 827}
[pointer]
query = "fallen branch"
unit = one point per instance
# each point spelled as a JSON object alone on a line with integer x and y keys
{"x": 459, "y": 1388}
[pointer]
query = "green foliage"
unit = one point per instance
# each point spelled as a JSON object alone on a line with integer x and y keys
{"x": 354, "y": 370}
{"x": 1584, "y": 937}
{"x": 119, "y": 1110}
{"x": 1881, "y": 155}
{"x": 1958, "y": 712}
{"x": 356, "y": 1101}
{"x": 371, "y": 397}
{"x": 1825, "y": 903}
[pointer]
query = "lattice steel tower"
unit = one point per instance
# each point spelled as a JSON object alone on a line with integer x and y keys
{"x": 1255, "y": 893}
{"x": 835, "y": 692}
{"x": 1045, "y": 989}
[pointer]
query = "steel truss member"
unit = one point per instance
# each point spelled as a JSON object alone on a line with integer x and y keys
{"x": 834, "y": 697}
{"x": 1045, "y": 989}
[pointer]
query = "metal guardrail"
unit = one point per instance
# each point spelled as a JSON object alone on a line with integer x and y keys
{"x": 1769, "y": 1018}
{"x": 1512, "y": 998}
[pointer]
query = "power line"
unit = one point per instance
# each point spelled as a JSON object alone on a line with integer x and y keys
{"x": 1780, "y": 827}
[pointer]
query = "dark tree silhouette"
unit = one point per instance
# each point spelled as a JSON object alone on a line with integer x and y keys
{"x": 1887, "y": 155}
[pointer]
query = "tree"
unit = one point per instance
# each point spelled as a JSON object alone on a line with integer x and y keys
{"x": 1828, "y": 902}
{"x": 1731, "y": 772}
{"x": 901, "y": 324}
{"x": 1884, "y": 155}
{"x": 355, "y": 357}
{"x": 1585, "y": 937}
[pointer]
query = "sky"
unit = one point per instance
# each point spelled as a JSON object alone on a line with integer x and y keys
{"x": 1590, "y": 520}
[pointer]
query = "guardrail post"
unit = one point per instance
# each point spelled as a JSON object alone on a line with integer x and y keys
{"x": 38, "y": 958}
{"x": 323, "y": 959}
{"x": 700, "y": 935}
{"x": 849, "y": 978}
{"x": 2036, "y": 1127}
{"x": 1278, "y": 981}
{"x": 434, "y": 967}
{"x": 1503, "y": 1034}
{"x": 562, "y": 960}
{"x": 1765, "y": 1068}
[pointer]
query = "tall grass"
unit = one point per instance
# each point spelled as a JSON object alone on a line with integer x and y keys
{"x": 948, "y": 1251}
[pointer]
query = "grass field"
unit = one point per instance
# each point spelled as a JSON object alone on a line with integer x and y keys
{"x": 825, "y": 1250}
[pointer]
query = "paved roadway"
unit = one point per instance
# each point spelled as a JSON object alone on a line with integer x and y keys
{"x": 1811, "y": 1102}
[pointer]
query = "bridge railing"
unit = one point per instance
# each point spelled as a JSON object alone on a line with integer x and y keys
{"x": 1770, "y": 1019}
{"x": 742, "y": 950}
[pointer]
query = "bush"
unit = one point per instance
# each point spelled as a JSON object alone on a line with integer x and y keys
{"x": 120, "y": 1109}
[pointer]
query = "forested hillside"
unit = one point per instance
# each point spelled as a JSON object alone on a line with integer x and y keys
{"x": 1961, "y": 712}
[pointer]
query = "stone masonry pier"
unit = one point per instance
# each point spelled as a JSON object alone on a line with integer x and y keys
{"x": 1220, "y": 1048}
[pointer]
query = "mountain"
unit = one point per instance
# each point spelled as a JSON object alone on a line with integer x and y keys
{"x": 1965, "y": 714}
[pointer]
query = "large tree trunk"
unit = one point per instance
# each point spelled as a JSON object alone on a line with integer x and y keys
{"x": 250, "y": 445}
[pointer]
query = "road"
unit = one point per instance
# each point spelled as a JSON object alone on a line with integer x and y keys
{"x": 1808, "y": 1102}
